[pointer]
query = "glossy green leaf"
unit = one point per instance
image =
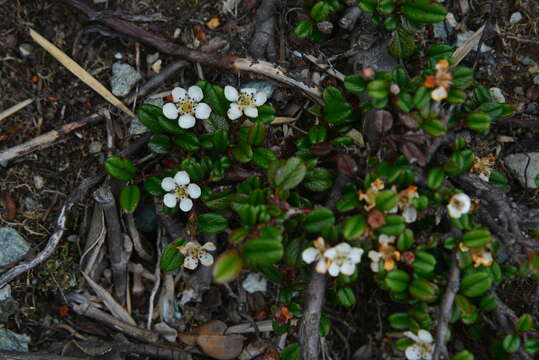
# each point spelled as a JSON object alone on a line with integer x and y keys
{"x": 397, "y": 280}
{"x": 291, "y": 352}
{"x": 119, "y": 168}
{"x": 355, "y": 84}
{"x": 386, "y": 200}
{"x": 188, "y": 141}
{"x": 172, "y": 258}
{"x": 402, "y": 44}
{"x": 336, "y": 109}
{"x": 475, "y": 284}
{"x": 353, "y": 227}
{"x": 476, "y": 238}
{"x": 424, "y": 11}
{"x": 227, "y": 267}
{"x": 511, "y": 343}
{"x": 318, "y": 180}
{"x": 524, "y": 323}
{"x": 263, "y": 157}
{"x": 212, "y": 223}
{"x": 290, "y": 174}
{"x": 319, "y": 219}
{"x": 346, "y": 296}
{"x": 399, "y": 321}
{"x": 424, "y": 290}
{"x": 129, "y": 198}
{"x": 214, "y": 96}
{"x": 303, "y": 29}
{"x": 153, "y": 186}
{"x": 160, "y": 144}
{"x": 149, "y": 116}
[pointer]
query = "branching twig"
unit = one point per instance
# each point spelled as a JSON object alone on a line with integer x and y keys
{"x": 440, "y": 352}
{"x": 263, "y": 41}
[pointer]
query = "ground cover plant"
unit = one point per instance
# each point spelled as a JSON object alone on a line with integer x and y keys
{"x": 360, "y": 212}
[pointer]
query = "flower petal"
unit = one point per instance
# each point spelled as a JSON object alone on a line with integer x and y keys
{"x": 205, "y": 258}
{"x": 348, "y": 268}
{"x": 195, "y": 93}
{"x": 202, "y": 111}
{"x": 375, "y": 266}
{"x": 330, "y": 253}
{"x": 465, "y": 202}
{"x": 260, "y": 99}
{"x": 343, "y": 248}
{"x": 190, "y": 262}
{"x": 413, "y": 352}
{"x": 321, "y": 266}
{"x": 170, "y": 111}
{"x": 453, "y": 212}
{"x": 168, "y": 184}
{"x": 209, "y": 246}
{"x": 194, "y": 191}
{"x": 354, "y": 256}
{"x": 439, "y": 93}
{"x": 234, "y": 112}
{"x": 178, "y": 94}
{"x": 425, "y": 336}
{"x": 411, "y": 335}
{"x": 385, "y": 240}
{"x": 231, "y": 94}
{"x": 170, "y": 200}
{"x": 250, "y": 92}
{"x": 250, "y": 111}
{"x": 334, "y": 269}
{"x": 186, "y": 121}
{"x": 182, "y": 178}
{"x": 309, "y": 255}
{"x": 186, "y": 204}
{"x": 375, "y": 256}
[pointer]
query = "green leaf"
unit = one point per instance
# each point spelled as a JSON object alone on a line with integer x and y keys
{"x": 424, "y": 11}
{"x": 378, "y": 89}
{"x": 263, "y": 157}
{"x": 511, "y": 343}
{"x": 464, "y": 355}
{"x": 424, "y": 262}
{"x": 303, "y": 29}
{"x": 399, "y": 321}
{"x": 214, "y": 96}
{"x": 320, "y": 10}
{"x": 488, "y": 302}
{"x": 318, "y": 180}
{"x": 386, "y": 7}
{"x": 353, "y": 227}
{"x": 346, "y": 296}
{"x": 336, "y": 109}
{"x": 435, "y": 178}
{"x": 227, "y": 267}
{"x": 129, "y": 198}
{"x": 243, "y": 152}
{"x": 188, "y": 141}
{"x": 402, "y": 44}
{"x": 325, "y": 326}
{"x": 440, "y": 51}
{"x": 386, "y": 200}
{"x": 434, "y": 127}
{"x": 397, "y": 280}
{"x": 290, "y": 174}
{"x": 462, "y": 77}
{"x": 263, "y": 251}
{"x": 532, "y": 346}
{"x": 220, "y": 140}
{"x": 421, "y": 97}
{"x": 153, "y": 186}
{"x": 424, "y": 290}
{"x": 172, "y": 258}
{"x": 456, "y": 96}
{"x": 292, "y": 255}
{"x": 160, "y": 144}
{"x": 476, "y": 238}
{"x": 319, "y": 219}
{"x": 121, "y": 169}
{"x": 394, "y": 225}
{"x": 478, "y": 121}
{"x": 291, "y": 352}
{"x": 149, "y": 116}
{"x": 355, "y": 84}
{"x": 368, "y": 5}
{"x": 256, "y": 134}
{"x": 406, "y": 240}
{"x": 390, "y": 23}
{"x": 524, "y": 324}
{"x": 475, "y": 284}
{"x": 317, "y": 134}
{"x": 481, "y": 94}
{"x": 196, "y": 170}
{"x": 212, "y": 223}
{"x": 266, "y": 114}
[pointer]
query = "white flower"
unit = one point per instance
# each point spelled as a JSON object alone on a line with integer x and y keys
{"x": 343, "y": 259}
{"x": 187, "y": 106}
{"x": 194, "y": 253}
{"x": 179, "y": 188}
{"x": 312, "y": 254}
{"x": 245, "y": 102}
{"x": 423, "y": 347}
{"x": 459, "y": 204}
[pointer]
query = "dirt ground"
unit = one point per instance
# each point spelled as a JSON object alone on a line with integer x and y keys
{"x": 33, "y": 187}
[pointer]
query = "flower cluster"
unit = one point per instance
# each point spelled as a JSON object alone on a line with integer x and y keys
{"x": 179, "y": 189}
{"x": 423, "y": 346}
{"x": 245, "y": 102}
{"x": 386, "y": 252}
{"x": 482, "y": 166}
{"x": 459, "y": 204}
{"x": 187, "y": 107}
{"x": 480, "y": 256}
{"x": 404, "y": 204}
{"x": 441, "y": 82}
{"x": 369, "y": 196}
{"x": 195, "y": 253}
{"x": 335, "y": 260}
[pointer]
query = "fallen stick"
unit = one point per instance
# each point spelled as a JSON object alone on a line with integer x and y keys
{"x": 76, "y": 195}
{"x": 263, "y": 41}
{"x": 263, "y": 68}
{"x": 79, "y": 72}
{"x": 101, "y": 316}
{"x": 13, "y": 355}
{"x": 12, "y": 110}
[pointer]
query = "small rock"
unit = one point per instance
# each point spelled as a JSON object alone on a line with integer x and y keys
{"x": 12, "y": 246}
{"x": 118, "y": 56}
{"x": 124, "y": 77}
{"x": 156, "y": 67}
{"x": 497, "y": 94}
{"x": 136, "y": 127}
{"x": 95, "y": 147}
{"x": 519, "y": 90}
{"x": 30, "y": 204}
{"x": 440, "y": 32}
{"x": 528, "y": 61}
{"x": 73, "y": 238}
{"x": 463, "y": 37}
{"x": 255, "y": 282}
{"x": 451, "y": 20}
{"x": 261, "y": 85}
{"x": 151, "y": 58}
{"x": 531, "y": 108}
{"x": 9, "y": 341}
{"x": 515, "y": 17}
{"x": 5, "y": 292}
{"x": 517, "y": 164}
{"x": 25, "y": 49}
{"x": 536, "y": 79}
{"x": 39, "y": 182}
{"x": 177, "y": 33}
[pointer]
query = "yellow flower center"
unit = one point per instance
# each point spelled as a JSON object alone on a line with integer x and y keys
{"x": 186, "y": 107}
{"x": 181, "y": 191}
{"x": 245, "y": 99}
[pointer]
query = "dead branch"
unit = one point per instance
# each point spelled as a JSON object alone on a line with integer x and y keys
{"x": 349, "y": 19}
{"x": 118, "y": 261}
{"x": 309, "y": 335}
{"x": 440, "y": 351}
{"x": 263, "y": 41}
{"x": 135, "y": 237}
{"x": 13, "y": 355}
{"x": 76, "y": 195}
{"x": 90, "y": 311}
{"x": 263, "y": 68}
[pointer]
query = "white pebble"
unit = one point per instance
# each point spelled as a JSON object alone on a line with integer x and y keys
{"x": 39, "y": 182}
{"x": 25, "y": 49}
{"x": 515, "y": 17}
{"x": 118, "y": 56}
{"x": 497, "y": 94}
{"x": 255, "y": 282}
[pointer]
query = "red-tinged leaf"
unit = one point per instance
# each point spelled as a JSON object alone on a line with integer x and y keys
{"x": 9, "y": 206}
{"x": 413, "y": 154}
{"x": 383, "y": 121}
{"x": 346, "y": 164}
{"x": 321, "y": 149}
{"x": 376, "y": 219}
{"x": 408, "y": 121}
